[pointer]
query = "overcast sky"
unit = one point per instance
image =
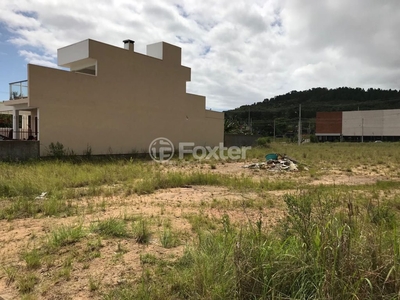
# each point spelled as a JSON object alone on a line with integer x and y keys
{"x": 240, "y": 51}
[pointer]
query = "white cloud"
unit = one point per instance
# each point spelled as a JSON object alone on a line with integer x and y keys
{"x": 38, "y": 59}
{"x": 240, "y": 52}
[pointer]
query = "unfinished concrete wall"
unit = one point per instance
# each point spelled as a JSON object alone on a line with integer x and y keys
{"x": 19, "y": 150}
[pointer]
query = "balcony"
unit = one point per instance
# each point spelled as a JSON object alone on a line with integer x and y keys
{"x": 19, "y": 90}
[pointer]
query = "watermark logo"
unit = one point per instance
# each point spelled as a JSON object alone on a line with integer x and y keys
{"x": 161, "y": 149}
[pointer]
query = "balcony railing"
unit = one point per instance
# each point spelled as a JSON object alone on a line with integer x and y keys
{"x": 18, "y": 90}
{"x": 23, "y": 134}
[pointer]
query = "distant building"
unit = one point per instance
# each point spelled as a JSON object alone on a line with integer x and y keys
{"x": 360, "y": 125}
{"x": 113, "y": 100}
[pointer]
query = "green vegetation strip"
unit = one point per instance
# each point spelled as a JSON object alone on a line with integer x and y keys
{"x": 66, "y": 183}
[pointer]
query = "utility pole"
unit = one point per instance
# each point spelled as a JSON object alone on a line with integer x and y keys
{"x": 362, "y": 130}
{"x": 299, "y": 127}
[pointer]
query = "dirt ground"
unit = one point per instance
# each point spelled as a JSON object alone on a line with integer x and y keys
{"x": 112, "y": 267}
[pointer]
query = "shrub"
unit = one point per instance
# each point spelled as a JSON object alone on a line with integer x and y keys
{"x": 313, "y": 138}
{"x": 263, "y": 141}
{"x": 57, "y": 150}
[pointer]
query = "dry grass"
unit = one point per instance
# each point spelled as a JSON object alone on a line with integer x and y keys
{"x": 112, "y": 229}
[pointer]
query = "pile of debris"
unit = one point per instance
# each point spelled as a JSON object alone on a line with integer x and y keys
{"x": 275, "y": 162}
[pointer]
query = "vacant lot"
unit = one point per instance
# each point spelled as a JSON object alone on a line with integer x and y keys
{"x": 134, "y": 229}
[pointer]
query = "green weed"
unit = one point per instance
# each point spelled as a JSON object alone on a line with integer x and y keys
{"x": 94, "y": 283}
{"x": 141, "y": 231}
{"x": 168, "y": 238}
{"x": 27, "y": 282}
{"x": 148, "y": 258}
{"x": 65, "y": 235}
{"x": 11, "y": 273}
{"x": 200, "y": 222}
{"x": 111, "y": 227}
{"x": 32, "y": 259}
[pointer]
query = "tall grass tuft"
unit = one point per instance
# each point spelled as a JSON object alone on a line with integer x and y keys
{"x": 168, "y": 238}
{"x": 141, "y": 231}
{"x": 65, "y": 235}
{"x": 32, "y": 259}
{"x": 112, "y": 227}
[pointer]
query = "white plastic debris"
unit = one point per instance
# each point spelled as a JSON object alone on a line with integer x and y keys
{"x": 42, "y": 195}
{"x": 282, "y": 163}
{"x": 292, "y": 166}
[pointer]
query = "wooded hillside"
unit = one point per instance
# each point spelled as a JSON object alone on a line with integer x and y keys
{"x": 283, "y": 110}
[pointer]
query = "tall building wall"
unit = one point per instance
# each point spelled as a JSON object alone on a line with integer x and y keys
{"x": 391, "y": 122}
{"x": 363, "y": 123}
{"x": 329, "y": 123}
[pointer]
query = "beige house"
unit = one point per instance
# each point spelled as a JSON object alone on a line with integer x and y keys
{"x": 113, "y": 100}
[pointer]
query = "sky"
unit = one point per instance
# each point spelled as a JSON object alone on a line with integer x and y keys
{"x": 240, "y": 51}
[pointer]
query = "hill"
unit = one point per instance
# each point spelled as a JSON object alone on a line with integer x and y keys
{"x": 283, "y": 110}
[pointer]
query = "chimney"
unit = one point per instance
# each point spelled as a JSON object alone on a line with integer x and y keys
{"x": 129, "y": 45}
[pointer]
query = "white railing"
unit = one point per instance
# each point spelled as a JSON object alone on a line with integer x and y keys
{"x": 19, "y": 90}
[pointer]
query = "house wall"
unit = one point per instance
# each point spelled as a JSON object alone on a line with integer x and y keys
{"x": 133, "y": 99}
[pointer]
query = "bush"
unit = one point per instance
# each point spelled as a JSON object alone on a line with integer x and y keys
{"x": 313, "y": 138}
{"x": 263, "y": 141}
{"x": 57, "y": 150}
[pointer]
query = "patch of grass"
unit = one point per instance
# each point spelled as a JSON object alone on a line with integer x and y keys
{"x": 124, "y": 292}
{"x": 168, "y": 238}
{"x": 65, "y": 272}
{"x": 121, "y": 248}
{"x": 32, "y": 259}
{"x": 11, "y": 273}
{"x": 26, "y": 282}
{"x": 325, "y": 248}
{"x": 382, "y": 215}
{"x": 66, "y": 268}
{"x": 65, "y": 235}
{"x": 141, "y": 231}
{"x": 22, "y": 207}
{"x": 387, "y": 184}
{"x": 111, "y": 227}
{"x": 200, "y": 222}
{"x": 148, "y": 258}
{"x": 92, "y": 250}
{"x": 94, "y": 283}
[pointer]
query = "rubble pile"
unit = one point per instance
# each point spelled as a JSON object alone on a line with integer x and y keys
{"x": 276, "y": 163}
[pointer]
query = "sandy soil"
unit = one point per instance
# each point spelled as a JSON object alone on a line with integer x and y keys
{"x": 114, "y": 266}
